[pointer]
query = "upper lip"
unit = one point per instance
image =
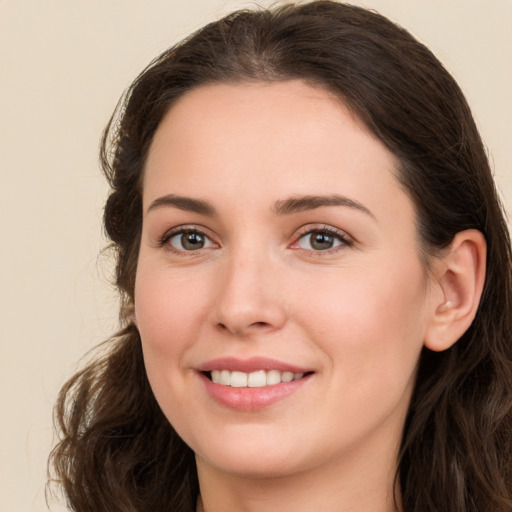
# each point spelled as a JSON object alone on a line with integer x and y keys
{"x": 250, "y": 365}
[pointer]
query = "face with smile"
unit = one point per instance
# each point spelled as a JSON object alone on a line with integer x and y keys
{"x": 280, "y": 296}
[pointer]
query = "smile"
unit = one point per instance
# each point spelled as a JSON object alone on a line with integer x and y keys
{"x": 255, "y": 379}
{"x": 251, "y": 384}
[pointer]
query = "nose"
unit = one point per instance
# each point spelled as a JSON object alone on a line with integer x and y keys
{"x": 249, "y": 298}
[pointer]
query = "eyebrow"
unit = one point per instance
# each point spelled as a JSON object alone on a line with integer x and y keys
{"x": 304, "y": 203}
{"x": 282, "y": 207}
{"x": 183, "y": 203}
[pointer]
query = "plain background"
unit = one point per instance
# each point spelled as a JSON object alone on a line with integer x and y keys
{"x": 63, "y": 65}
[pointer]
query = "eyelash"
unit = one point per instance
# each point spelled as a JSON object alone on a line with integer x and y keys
{"x": 343, "y": 238}
{"x": 165, "y": 239}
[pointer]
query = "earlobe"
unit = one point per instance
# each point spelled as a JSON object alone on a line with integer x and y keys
{"x": 459, "y": 277}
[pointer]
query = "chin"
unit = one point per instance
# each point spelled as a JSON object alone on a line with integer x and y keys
{"x": 267, "y": 455}
{"x": 253, "y": 467}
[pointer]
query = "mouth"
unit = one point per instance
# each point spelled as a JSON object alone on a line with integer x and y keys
{"x": 254, "y": 379}
{"x": 252, "y": 384}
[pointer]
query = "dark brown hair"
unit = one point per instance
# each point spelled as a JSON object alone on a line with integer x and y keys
{"x": 117, "y": 450}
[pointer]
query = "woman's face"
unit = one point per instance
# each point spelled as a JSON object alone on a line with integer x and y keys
{"x": 277, "y": 244}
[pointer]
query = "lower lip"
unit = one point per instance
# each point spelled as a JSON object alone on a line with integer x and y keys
{"x": 251, "y": 399}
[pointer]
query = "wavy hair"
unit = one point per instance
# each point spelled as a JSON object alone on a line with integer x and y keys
{"x": 118, "y": 453}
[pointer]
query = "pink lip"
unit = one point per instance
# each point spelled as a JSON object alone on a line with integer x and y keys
{"x": 250, "y": 399}
{"x": 249, "y": 365}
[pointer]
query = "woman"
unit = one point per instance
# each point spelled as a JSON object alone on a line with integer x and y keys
{"x": 315, "y": 279}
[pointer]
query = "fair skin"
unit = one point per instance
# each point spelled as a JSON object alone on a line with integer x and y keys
{"x": 330, "y": 288}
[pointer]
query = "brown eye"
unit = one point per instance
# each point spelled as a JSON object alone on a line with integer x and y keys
{"x": 190, "y": 241}
{"x": 320, "y": 240}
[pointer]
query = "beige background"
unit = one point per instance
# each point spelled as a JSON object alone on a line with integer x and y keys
{"x": 63, "y": 64}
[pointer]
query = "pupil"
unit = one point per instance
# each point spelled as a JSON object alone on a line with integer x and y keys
{"x": 192, "y": 241}
{"x": 321, "y": 241}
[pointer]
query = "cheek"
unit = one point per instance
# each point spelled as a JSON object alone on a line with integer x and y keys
{"x": 168, "y": 315}
{"x": 370, "y": 323}
{"x": 167, "y": 309}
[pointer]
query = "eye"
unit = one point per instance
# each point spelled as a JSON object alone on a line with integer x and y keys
{"x": 188, "y": 240}
{"x": 321, "y": 240}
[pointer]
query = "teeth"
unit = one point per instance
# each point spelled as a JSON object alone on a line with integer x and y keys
{"x": 273, "y": 377}
{"x": 287, "y": 377}
{"x": 255, "y": 379}
{"x": 225, "y": 378}
{"x": 238, "y": 380}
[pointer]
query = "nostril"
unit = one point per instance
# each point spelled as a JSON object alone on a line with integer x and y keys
{"x": 260, "y": 324}
{"x": 248, "y": 328}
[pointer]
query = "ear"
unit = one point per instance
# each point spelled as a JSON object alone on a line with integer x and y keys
{"x": 457, "y": 284}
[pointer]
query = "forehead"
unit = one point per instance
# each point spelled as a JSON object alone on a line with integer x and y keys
{"x": 267, "y": 141}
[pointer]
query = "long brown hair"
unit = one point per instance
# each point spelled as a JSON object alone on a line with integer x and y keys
{"x": 117, "y": 450}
